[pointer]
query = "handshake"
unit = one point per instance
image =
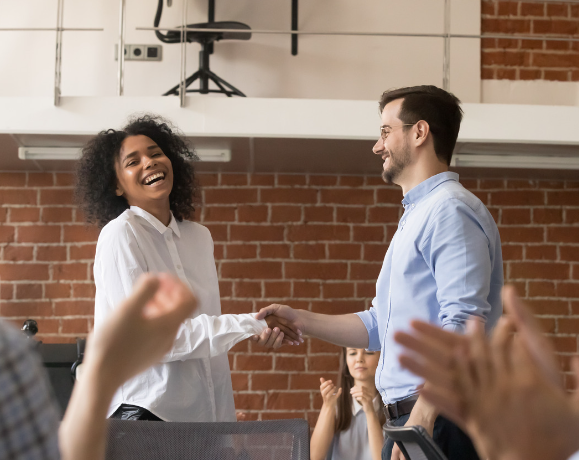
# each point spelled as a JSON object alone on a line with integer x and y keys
{"x": 284, "y": 326}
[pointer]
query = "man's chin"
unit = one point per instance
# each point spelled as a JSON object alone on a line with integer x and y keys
{"x": 388, "y": 177}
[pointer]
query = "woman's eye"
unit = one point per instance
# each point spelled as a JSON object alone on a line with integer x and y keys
{"x": 132, "y": 163}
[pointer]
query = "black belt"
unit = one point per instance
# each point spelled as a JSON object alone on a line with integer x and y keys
{"x": 400, "y": 408}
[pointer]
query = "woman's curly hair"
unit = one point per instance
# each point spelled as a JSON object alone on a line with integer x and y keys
{"x": 96, "y": 177}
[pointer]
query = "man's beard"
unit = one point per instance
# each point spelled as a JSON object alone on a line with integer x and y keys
{"x": 398, "y": 161}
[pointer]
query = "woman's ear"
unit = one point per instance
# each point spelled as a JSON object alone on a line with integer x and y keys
{"x": 119, "y": 191}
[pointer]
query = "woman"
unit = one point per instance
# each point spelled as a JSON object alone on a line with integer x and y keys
{"x": 351, "y": 418}
{"x": 139, "y": 185}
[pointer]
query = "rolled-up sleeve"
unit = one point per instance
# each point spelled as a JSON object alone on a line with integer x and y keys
{"x": 457, "y": 251}
{"x": 370, "y": 320}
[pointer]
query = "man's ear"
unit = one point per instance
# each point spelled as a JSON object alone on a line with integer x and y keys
{"x": 422, "y": 130}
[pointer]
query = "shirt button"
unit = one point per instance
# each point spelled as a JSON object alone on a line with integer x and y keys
{"x": 412, "y": 204}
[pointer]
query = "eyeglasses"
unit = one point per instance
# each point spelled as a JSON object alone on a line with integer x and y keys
{"x": 386, "y": 130}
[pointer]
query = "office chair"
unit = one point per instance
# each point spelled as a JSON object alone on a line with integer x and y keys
{"x": 206, "y": 40}
{"x": 275, "y": 439}
{"x": 414, "y": 442}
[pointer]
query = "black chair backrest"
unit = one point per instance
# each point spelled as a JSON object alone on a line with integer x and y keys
{"x": 58, "y": 359}
{"x": 414, "y": 442}
{"x": 270, "y": 440}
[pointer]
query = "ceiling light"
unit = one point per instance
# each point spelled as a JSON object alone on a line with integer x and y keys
{"x": 466, "y": 160}
{"x": 73, "y": 153}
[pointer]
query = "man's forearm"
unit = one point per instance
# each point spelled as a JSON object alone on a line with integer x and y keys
{"x": 343, "y": 330}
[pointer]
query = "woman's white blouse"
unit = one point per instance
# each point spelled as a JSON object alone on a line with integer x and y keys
{"x": 353, "y": 443}
{"x": 193, "y": 382}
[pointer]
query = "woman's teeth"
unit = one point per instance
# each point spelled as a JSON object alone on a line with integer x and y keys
{"x": 150, "y": 179}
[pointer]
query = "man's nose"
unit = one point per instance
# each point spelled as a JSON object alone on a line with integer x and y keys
{"x": 378, "y": 147}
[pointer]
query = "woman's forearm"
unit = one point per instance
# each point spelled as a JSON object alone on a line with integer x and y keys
{"x": 323, "y": 433}
{"x": 375, "y": 435}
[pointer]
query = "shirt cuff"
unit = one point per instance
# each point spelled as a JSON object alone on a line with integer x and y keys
{"x": 372, "y": 327}
{"x": 250, "y": 324}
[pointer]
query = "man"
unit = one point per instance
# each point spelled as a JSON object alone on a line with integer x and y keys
{"x": 443, "y": 265}
{"x": 506, "y": 393}
{"x": 138, "y": 334}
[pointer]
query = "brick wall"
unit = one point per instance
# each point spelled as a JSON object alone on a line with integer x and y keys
{"x": 517, "y": 59}
{"x": 313, "y": 242}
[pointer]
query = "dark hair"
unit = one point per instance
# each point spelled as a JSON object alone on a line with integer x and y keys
{"x": 344, "y": 418}
{"x": 96, "y": 177}
{"x": 439, "y": 108}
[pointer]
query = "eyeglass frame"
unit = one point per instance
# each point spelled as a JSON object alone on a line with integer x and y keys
{"x": 384, "y": 135}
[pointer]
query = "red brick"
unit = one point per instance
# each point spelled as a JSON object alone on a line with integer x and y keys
{"x": 351, "y": 214}
{"x": 291, "y": 179}
{"x": 516, "y": 216}
{"x": 29, "y": 291}
{"x": 318, "y": 214}
{"x": 249, "y": 401}
{"x": 30, "y": 309}
{"x": 75, "y": 326}
{"x": 347, "y": 196}
{"x": 82, "y": 252}
{"x": 326, "y": 181}
{"x": 557, "y": 45}
{"x": 277, "y": 400}
{"x": 241, "y": 347}
{"x": 48, "y": 326}
{"x": 565, "y": 344}
{"x": 488, "y": 7}
{"x": 233, "y": 179}
{"x": 556, "y": 75}
{"x": 521, "y": 234}
{"x": 351, "y": 181}
{"x": 83, "y": 290}
{"x": 389, "y": 195}
{"x": 317, "y": 232}
{"x": 219, "y": 214}
{"x": 569, "y": 253}
{"x": 241, "y": 251}
{"x": 517, "y": 198}
{"x": 568, "y": 234}
{"x": 568, "y": 289}
{"x": 555, "y": 26}
{"x": 506, "y": 26}
{"x": 337, "y": 307}
{"x": 277, "y": 289}
{"x": 365, "y": 271}
{"x": 542, "y": 252}
{"x": 548, "y": 307}
{"x": 19, "y": 196}
{"x": 282, "y": 213}
{"x": 65, "y": 179}
{"x": 218, "y": 251}
{"x": 512, "y": 252}
{"x": 538, "y": 270}
{"x": 57, "y": 290}
{"x": 262, "y": 179}
{"x": 247, "y": 289}
{"x": 40, "y": 179}
{"x": 6, "y": 234}
{"x": 73, "y": 307}
{"x": 225, "y": 288}
{"x": 383, "y": 214}
{"x": 547, "y": 215}
{"x": 309, "y": 251}
{"x": 287, "y": 363}
{"x": 307, "y": 381}
{"x": 338, "y": 290}
{"x": 12, "y": 179}
{"x": 274, "y": 251}
{"x": 306, "y": 289}
{"x": 13, "y": 272}
{"x": 3, "y": 214}
{"x": 541, "y": 289}
{"x": 487, "y": 73}
{"x": 56, "y": 196}
{"x": 261, "y": 381}
{"x": 563, "y": 198}
{"x": 208, "y": 180}
{"x": 218, "y": 231}
{"x": 6, "y": 291}
{"x": 323, "y": 363}
{"x": 240, "y": 382}
{"x": 256, "y": 232}
{"x": 366, "y": 289}
{"x": 345, "y": 251}
{"x": 51, "y": 253}
{"x": 316, "y": 270}
{"x": 230, "y": 195}
{"x": 368, "y": 233}
{"x": 572, "y": 216}
{"x": 529, "y": 74}
{"x": 252, "y": 213}
{"x": 251, "y": 270}
{"x": 73, "y": 271}
{"x": 39, "y": 234}
{"x": 236, "y": 306}
{"x": 55, "y": 215}
{"x": 80, "y": 233}
{"x": 253, "y": 362}
{"x": 568, "y": 325}
{"x": 532, "y": 9}
{"x": 24, "y": 214}
{"x": 289, "y": 195}
{"x": 508, "y": 8}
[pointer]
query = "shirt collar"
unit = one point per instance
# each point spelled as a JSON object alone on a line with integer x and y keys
{"x": 357, "y": 407}
{"x": 156, "y": 223}
{"x": 425, "y": 187}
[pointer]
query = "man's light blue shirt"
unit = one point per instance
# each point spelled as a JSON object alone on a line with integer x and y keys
{"x": 444, "y": 264}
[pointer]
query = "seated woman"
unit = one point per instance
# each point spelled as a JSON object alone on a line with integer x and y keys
{"x": 139, "y": 185}
{"x": 351, "y": 418}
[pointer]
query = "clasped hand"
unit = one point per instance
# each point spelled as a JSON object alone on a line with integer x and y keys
{"x": 284, "y": 327}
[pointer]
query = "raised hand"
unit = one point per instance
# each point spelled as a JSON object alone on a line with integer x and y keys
{"x": 329, "y": 394}
{"x": 364, "y": 396}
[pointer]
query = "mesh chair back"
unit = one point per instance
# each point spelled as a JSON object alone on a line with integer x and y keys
{"x": 271, "y": 440}
{"x": 414, "y": 442}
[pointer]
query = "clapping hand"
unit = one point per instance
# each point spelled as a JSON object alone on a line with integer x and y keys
{"x": 364, "y": 396}
{"x": 329, "y": 394}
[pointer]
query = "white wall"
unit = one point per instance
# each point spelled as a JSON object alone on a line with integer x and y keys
{"x": 327, "y": 67}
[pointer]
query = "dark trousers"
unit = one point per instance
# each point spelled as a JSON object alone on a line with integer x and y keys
{"x": 453, "y": 442}
{"x": 130, "y": 412}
